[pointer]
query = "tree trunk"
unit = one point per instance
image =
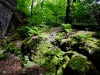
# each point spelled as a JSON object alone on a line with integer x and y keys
{"x": 98, "y": 19}
{"x": 68, "y": 10}
{"x": 32, "y": 7}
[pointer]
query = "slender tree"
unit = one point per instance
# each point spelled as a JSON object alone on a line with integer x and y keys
{"x": 68, "y": 10}
{"x": 97, "y": 15}
{"x": 32, "y": 7}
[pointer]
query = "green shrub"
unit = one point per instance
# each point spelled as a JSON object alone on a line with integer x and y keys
{"x": 67, "y": 27}
{"x": 81, "y": 37}
{"x": 24, "y": 6}
{"x": 27, "y": 31}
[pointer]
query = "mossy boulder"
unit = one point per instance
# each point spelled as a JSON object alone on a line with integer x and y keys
{"x": 51, "y": 58}
{"x": 29, "y": 46}
{"x": 78, "y": 62}
{"x": 9, "y": 45}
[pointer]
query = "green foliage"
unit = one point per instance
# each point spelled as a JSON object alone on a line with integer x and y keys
{"x": 78, "y": 9}
{"x": 67, "y": 27}
{"x": 78, "y": 62}
{"x": 83, "y": 12}
{"x": 24, "y": 6}
{"x": 44, "y": 12}
{"x": 53, "y": 12}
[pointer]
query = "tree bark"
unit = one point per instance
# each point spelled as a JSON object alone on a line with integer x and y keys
{"x": 32, "y": 7}
{"x": 98, "y": 17}
{"x": 68, "y": 10}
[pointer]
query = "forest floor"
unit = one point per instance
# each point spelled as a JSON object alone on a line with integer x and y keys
{"x": 12, "y": 64}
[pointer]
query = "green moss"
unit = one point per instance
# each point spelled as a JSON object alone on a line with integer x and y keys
{"x": 60, "y": 71}
{"x": 6, "y": 41}
{"x": 48, "y": 57}
{"x": 29, "y": 49}
{"x": 3, "y": 56}
{"x": 60, "y": 36}
{"x": 89, "y": 43}
{"x": 51, "y": 57}
{"x": 26, "y": 63}
{"x": 65, "y": 61}
{"x": 16, "y": 36}
{"x": 78, "y": 62}
{"x": 11, "y": 47}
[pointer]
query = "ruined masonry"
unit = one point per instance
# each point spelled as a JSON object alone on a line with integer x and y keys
{"x": 7, "y": 8}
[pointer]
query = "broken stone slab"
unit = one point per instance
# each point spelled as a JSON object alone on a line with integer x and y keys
{"x": 5, "y": 17}
{"x": 7, "y": 8}
{"x": 11, "y": 4}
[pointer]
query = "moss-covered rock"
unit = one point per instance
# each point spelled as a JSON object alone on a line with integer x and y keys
{"x": 78, "y": 62}
{"x": 29, "y": 46}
